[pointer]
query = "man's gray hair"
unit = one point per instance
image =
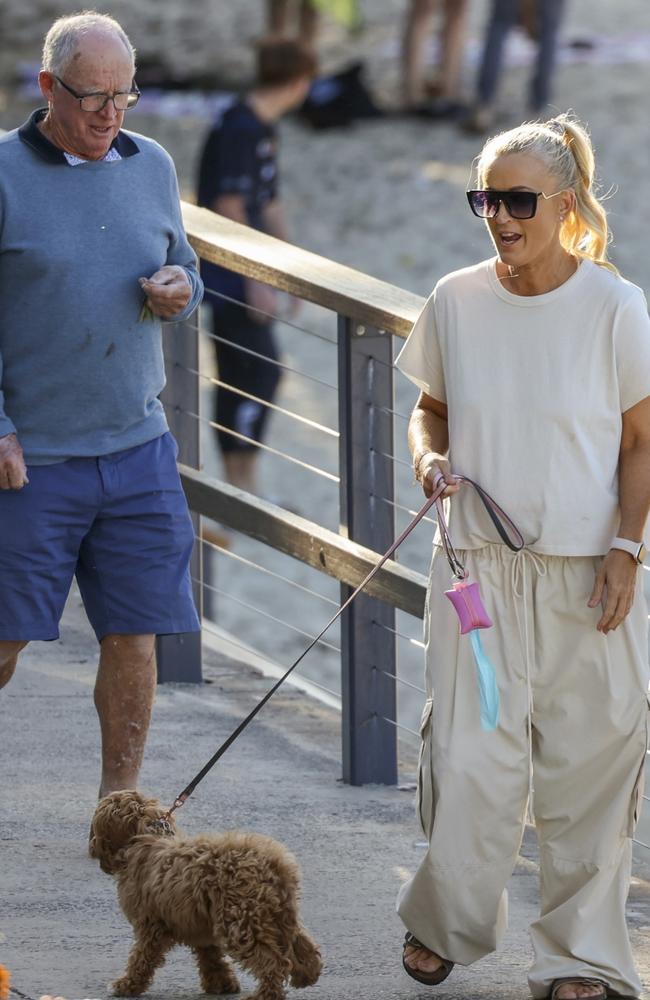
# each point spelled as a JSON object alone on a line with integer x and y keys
{"x": 63, "y": 38}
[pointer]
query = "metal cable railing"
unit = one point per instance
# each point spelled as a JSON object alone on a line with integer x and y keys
{"x": 256, "y": 444}
{"x": 402, "y": 509}
{"x": 263, "y": 569}
{"x": 398, "y": 725}
{"x": 401, "y": 680}
{"x": 265, "y": 614}
{"x": 313, "y": 424}
{"x": 392, "y": 458}
{"x": 400, "y": 635}
{"x": 270, "y": 361}
{"x": 233, "y": 641}
{"x": 391, "y": 413}
{"x": 272, "y": 317}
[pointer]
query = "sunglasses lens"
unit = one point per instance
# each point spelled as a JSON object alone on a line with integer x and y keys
{"x": 484, "y": 204}
{"x": 520, "y": 204}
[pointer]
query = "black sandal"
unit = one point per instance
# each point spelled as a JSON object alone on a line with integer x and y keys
{"x": 428, "y": 978}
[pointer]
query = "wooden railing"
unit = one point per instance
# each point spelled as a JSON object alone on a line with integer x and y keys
{"x": 370, "y": 313}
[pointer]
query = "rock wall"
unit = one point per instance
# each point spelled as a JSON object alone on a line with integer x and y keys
{"x": 191, "y": 40}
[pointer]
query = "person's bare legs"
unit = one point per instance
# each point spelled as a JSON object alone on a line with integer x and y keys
{"x": 124, "y": 694}
{"x": 414, "y": 43}
{"x": 241, "y": 469}
{"x": 276, "y": 16}
{"x": 309, "y": 20}
{"x": 452, "y": 42}
{"x": 8, "y": 658}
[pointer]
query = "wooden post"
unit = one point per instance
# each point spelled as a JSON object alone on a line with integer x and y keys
{"x": 179, "y": 655}
{"x": 368, "y": 650}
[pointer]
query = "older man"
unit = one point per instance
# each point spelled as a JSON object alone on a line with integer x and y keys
{"x": 90, "y": 232}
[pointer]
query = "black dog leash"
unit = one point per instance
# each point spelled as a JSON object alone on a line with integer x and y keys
{"x": 23, "y": 996}
{"x": 498, "y": 517}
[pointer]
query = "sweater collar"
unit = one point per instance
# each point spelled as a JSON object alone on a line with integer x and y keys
{"x": 32, "y": 136}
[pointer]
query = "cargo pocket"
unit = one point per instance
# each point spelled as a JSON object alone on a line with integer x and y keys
{"x": 636, "y": 802}
{"x": 424, "y": 801}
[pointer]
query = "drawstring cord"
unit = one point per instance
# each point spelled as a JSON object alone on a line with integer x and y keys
{"x": 519, "y": 583}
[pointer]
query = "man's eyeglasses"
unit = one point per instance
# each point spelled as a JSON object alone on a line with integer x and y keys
{"x": 518, "y": 204}
{"x": 122, "y": 99}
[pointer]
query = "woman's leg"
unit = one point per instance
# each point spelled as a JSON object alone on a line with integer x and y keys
{"x": 473, "y": 784}
{"x": 590, "y": 722}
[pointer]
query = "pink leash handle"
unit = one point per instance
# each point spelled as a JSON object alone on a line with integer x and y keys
{"x": 506, "y": 528}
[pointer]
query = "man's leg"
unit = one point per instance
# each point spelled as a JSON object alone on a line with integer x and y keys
{"x": 8, "y": 658}
{"x": 124, "y": 696}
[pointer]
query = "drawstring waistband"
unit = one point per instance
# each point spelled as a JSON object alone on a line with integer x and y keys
{"x": 519, "y": 582}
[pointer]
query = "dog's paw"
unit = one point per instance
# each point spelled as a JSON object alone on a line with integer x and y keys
{"x": 126, "y": 987}
{"x": 221, "y": 985}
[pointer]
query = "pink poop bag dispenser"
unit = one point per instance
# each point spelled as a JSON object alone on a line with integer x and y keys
{"x": 466, "y": 599}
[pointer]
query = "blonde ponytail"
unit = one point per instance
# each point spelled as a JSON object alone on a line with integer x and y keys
{"x": 564, "y": 145}
{"x": 585, "y": 232}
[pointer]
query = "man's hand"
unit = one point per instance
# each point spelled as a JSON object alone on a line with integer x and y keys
{"x": 168, "y": 291}
{"x": 13, "y": 471}
{"x": 614, "y": 589}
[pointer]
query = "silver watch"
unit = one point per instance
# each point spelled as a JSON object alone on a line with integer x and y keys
{"x": 636, "y": 549}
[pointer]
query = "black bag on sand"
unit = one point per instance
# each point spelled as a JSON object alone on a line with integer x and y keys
{"x": 339, "y": 99}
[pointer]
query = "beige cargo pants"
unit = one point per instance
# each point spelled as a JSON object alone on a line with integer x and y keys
{"x": 582, "y": 747}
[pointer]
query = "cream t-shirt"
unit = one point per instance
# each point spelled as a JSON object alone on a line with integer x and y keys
{"x": 535, "y": 388}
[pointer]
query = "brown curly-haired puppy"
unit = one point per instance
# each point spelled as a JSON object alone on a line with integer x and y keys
{"x": 232, "y": 894}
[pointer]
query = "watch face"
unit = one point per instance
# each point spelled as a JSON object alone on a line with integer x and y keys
{"x": 641, "y": 554}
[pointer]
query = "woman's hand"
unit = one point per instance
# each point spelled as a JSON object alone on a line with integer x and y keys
{"x": 614, "y": 589}
{"x": 428, "y": 467}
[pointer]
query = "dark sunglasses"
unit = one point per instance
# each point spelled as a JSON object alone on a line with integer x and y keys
{"x": 518, "y": 204}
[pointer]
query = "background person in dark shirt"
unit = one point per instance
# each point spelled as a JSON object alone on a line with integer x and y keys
{"x": 238, "y": 179}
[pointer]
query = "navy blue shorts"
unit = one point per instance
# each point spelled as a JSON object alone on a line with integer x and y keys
{"x": 120, "y": 523}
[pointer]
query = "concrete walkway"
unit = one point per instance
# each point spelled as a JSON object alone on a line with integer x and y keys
{"x": 61, "y": 931}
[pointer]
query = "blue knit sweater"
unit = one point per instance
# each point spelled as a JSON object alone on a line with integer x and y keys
{"x": 79, "y": 374}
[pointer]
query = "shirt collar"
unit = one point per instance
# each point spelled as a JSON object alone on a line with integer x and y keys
{"x": 33, "y": 137}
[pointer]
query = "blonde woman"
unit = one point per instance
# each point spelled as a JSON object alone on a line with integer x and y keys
{"x": 534, "y": 377}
